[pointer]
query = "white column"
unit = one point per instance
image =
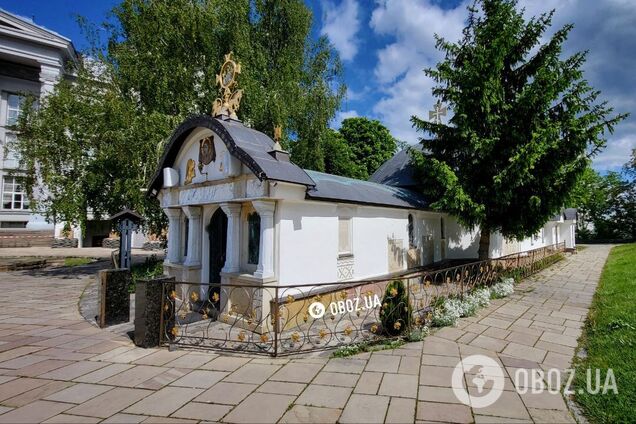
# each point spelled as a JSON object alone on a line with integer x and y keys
{"x": 194, "y": 235}
{"x": 174, "y": 234}
{"x": 265, "y": 209}
{"x": 49, "y": 76}
{"x": 232, "y": 255}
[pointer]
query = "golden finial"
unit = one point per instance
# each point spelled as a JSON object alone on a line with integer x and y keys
{"x": 278, "y": 133}
{"x": 230, "y": 101}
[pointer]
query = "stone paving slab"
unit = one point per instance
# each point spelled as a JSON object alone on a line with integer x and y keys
{"x": 55, "y": 367}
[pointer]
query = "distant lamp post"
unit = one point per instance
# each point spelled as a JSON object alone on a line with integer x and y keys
{"x": 436, "y": 114}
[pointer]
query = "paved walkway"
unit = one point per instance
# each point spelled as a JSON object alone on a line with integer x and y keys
{"x": 56, "y": 367}
{"x": 64, "y": 252}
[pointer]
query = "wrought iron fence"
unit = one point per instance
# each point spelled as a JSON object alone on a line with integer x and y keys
{"x": 283, "y": 320}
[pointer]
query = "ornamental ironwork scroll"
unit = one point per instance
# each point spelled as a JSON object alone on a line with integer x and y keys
{"x": 230, "y": 100}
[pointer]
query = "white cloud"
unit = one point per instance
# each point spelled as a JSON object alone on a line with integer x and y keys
{"x": 353, "y": 95}
{"x": 341, "y": 24}
{"x": 399, "y": 71}
{"x": 605, "y": 27}
{"x": 341, "y": 116}
{"x": 616, "y": 154}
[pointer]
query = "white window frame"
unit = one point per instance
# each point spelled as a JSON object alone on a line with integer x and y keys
{"x": 349, "y": 222}
{"x": 19, "y": 109}
{"x": 24, "y": 198}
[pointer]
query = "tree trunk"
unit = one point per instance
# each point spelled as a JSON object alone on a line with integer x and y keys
{"x": 484, "y": 244}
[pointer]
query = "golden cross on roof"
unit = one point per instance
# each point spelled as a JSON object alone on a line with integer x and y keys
{"x": 230, "y": 101}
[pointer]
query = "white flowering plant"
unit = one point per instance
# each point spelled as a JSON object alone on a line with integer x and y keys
{"x": 503, "y": 288}
{"x": 481, "y": 295}
{"x": 469, "y": 306}
{"x": 447, "y": 312}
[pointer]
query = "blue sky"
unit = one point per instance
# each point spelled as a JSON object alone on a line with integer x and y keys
{"x": 385, "y": 45}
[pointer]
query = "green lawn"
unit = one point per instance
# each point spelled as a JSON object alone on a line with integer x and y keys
{"x": 77, "y": 261}
{"x": 152, "y": 267}
{"x": 610, "y": 341}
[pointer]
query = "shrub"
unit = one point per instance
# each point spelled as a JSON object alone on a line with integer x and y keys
{"x": 396, "y": 310}
{"x": 502, "y": 289}
{"x": 468, "y": 306}
{"x": 446, "y": 312}
{"x": 418, "y": 334}
{"x": 481, "y": 296}
{"x": 152, "y": 267}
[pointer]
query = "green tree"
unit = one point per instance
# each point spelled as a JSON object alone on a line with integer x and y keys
{"x": 524, "y": 123}
{"x": 606, "y": 205}
{"x": 370, "y": 142}
{"x": 339, "y": 159}
{"x": 157, "y": 67}
{"x": 589, "y": 196}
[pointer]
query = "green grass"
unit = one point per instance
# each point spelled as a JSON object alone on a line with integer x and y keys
{"x": 77, "y": 261}
{"x": 609, "y": 338}
{"x": 152, "y": 267}
{"x": 354, "y": 349}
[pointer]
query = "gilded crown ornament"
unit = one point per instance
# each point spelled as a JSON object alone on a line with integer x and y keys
{"x": 230, "y": 101}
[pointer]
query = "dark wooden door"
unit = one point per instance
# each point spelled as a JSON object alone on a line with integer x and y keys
{"x": 217, "y": 231}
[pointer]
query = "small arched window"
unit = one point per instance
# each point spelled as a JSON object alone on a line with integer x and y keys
{"x": 411, "y": 232}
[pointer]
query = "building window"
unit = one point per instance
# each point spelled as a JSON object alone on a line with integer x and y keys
{"x": 15, "y": 105}
{"x": 442, "y": 230}
{"x": 411, "y": 232}
{"x": 253, "y": 237}
{"x": 13, "y": 195}
{"x": 13, "y": 224}
{"x": 344, "y": 236}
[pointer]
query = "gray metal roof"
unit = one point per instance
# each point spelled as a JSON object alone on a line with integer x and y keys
{"x": 348, "y": 190}
{"x": 567, "y": 214}
{"x": 251, "y": 147}
{"x": 397, "y": 171}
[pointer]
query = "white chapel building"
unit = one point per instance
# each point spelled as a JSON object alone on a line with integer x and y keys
{"x": 241, "y": 212}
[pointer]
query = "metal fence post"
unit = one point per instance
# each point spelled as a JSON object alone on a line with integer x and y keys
{"x": 161, "y": 321}
{"x": 461, "y": 285}
{"x": 275, "y": 316}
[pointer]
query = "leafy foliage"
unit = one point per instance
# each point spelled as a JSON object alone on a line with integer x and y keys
{"x": 94, "y": 143}
{"x": 524, "y": 123}
{"x": 339, "y": 159}
{"x": 606, "y": 205}
{"x": 358, "y": 148}
{"x": 370, "y": 142}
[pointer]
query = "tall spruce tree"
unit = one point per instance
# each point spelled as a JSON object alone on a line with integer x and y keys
{"x": 524, "y": 123}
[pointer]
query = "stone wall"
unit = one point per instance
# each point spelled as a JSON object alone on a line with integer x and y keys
{"x": 114, "y": 297}
{"x": 148, "y": 297}
{"x": 64, "y": 242}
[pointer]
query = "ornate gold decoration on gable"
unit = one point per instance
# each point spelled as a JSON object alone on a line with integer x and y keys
{"x": 190, "y": 173}
{"x": 207, "y": 153}
{"x": 229, "y": 102}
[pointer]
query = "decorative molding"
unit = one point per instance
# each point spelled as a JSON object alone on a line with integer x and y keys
{"x": 345, "y": 267}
